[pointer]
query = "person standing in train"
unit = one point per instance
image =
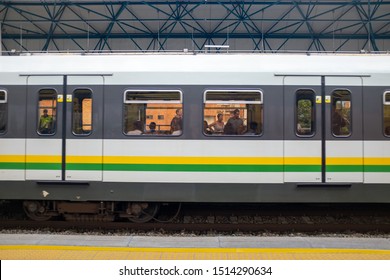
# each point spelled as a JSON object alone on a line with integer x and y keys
{"x": 218, "y": 125}
{"x": 235, "y": 122}
{"x": 177, "y": 123}
{"x": 45, "y": 123}
{"x": 339, "y": 122}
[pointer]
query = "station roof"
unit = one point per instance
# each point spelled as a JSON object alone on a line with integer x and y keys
{"x": 161, "y": 25}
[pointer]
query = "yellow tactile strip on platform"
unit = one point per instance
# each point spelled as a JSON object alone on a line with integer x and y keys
{"x": 31, "y": 252}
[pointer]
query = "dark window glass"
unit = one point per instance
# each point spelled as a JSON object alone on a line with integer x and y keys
{"x": 233, "y": 96}
{"x": 47, "y": 111}
{"x": 82, "y": 112}
{"x": 3, "y": 111}
{"x": 153, "y": 112}
{"x": 386, "y": 113}
{"x": 233, "y": 112}
{"x": 140, "y": 96}
{"x": 305, "y": 114}
{"x": 341, "y": 113}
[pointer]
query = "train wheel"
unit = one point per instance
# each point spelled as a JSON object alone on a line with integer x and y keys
{"x": 146, "y": 212}
{"x": 168, "y": 212}
{"x": 37, "y": 211}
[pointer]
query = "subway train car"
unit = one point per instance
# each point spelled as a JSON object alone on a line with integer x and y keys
{"x": 118, "y": 135}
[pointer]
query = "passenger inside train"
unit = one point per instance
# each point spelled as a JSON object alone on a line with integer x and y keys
{"x": 45, "y": 123}
{"x": 177, "y": 123}
{"x": 152, "y": 128}
{"x": 138, "y": 128}
{"x": 218, "y": 125}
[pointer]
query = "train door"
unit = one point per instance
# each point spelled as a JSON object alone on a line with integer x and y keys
{"x": 344, "y": 132}
{"x": 44, "y": 128}
{"x": 84, "y": 128}
{"x": 302, "y": 130}
{"x": 64, "y": 128}
{"x": 323, "y": 135}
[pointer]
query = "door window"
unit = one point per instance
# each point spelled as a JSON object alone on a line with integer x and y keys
{"x": 341, "y": 113}
{"x": 82, "y": 112}
{"x": 386, "y": 113}
{"x": 305, "y": 114}
{"x": 47, "y": 112}
{"x": 3, "y": 111}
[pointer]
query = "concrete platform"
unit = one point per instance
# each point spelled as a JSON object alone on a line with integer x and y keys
{"x": 97, "y": 247}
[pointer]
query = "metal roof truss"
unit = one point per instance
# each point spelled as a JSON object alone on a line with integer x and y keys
{"x": 171, "y": 25}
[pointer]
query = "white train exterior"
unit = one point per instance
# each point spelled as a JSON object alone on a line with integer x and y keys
{"x": 278, "y": 163}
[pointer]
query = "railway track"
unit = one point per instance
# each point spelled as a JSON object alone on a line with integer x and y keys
{"x": 230, "y": 219}
{"x": 219, "y": 218}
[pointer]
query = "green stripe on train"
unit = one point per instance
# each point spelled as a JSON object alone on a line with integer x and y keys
{"x": 344, "y": 168}
{"x": 302, "y": 168}
{"x": 12, "y": 165}
{"x": 196, "y": 167}
{"x": 43, "y": 166}
{"x": 84, "y": 166}
{"x": 192, "y": 167}
{"x": 30, "y": 166}
{"x": 377, "y": 168}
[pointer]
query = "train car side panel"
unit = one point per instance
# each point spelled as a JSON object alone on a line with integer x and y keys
{"x": 377, "y": 135}
{"x": 12, "y": 132}
{"x": 377, "y": 162}
{"x": 12, "y": 159}
{"x": 198, "y": 161}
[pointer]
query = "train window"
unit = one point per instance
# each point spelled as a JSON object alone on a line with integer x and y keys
{"x": 233, "y": 112}
{"x": 82, "y": 112}
{"x": 47, "y": 112}
{"x": 305, "y": 114}
{"x": 386, "y": 113}
{"x": 341, "y": 113}
{"x": 3, "y": 111}
{"x": 153, "y": 112}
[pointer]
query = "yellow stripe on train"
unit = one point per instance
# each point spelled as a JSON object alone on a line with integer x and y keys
{"x": 193, "y": 160}
{"x": 344, "y": 161}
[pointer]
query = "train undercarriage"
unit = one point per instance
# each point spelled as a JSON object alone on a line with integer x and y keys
{"x": 137, "y": 212}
